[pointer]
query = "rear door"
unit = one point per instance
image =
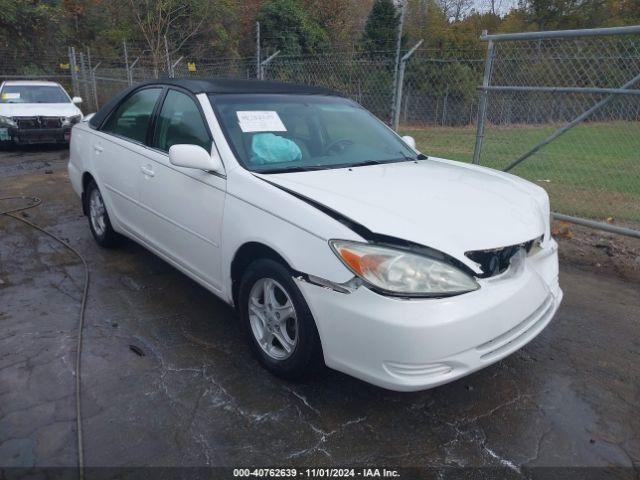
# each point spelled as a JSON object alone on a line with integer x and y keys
{"x": 118, "y": 152}
{"x": 183, "y": 206}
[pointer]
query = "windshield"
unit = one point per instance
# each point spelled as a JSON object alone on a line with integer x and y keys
{"x": 280, "y": 133}
{"x": 33, "y": 94}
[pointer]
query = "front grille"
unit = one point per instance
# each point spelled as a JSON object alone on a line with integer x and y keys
{"x": 36, "y": 123}
{"x": 496, "y": 261}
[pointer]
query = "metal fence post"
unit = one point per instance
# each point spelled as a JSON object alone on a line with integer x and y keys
{"x": 444, "y": 106}
{"x": 258, "y": 50}
{"x": 482, "y": 109}
{"x": 91, "y": 89}
{"x": 94, "y": 85}
{"x": 173, "y": 67}
{"x": 264, "y": 64}
{"x": 400, "y": 85}
{"x": 74, "y": 72}
{"x": 130, "y": 71}
{"x": 84, "y": 77}
{"x": 126, "y": 61}
{"x": 398, "y": 64}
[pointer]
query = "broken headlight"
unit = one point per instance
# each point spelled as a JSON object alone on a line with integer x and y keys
{"x": 402, "y": 272}
{"x": 7, "y": 122}
{"x": 68, "y": 121}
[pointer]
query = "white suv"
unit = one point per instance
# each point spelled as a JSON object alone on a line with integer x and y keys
{"x": 36, "y": 112}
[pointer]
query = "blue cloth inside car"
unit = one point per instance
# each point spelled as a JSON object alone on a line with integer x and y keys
{"x": 270, "y": 148}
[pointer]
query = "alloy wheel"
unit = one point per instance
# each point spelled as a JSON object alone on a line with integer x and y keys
{"x": 273, "y": 319}
{"x": 97, "y": 212}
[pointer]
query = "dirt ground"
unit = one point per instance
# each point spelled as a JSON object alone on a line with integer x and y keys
{"x": 168, "y": 380}
{"x": 598, "y": 251}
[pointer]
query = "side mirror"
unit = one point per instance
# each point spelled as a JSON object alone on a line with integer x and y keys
{"x": 409, "y": 141}
{"x": 76, "y": 100}
{"x": 194, "y": 156}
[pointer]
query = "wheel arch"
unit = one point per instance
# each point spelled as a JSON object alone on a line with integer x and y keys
{"x": 244, "y": 256}
{"x": 86, "y": 179}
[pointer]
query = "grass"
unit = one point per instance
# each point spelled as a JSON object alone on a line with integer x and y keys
{"x": 593, "y": 170}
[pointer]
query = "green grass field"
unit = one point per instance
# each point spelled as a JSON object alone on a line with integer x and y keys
{"x": 593, "y": 170}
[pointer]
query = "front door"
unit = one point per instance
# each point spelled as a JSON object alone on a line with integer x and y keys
{"x": 183, "y": 206}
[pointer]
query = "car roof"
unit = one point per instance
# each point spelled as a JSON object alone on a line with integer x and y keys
{"x": 35, "y": 83}
{"x": 198, "y": 85}
{"x": 214, "y": 86}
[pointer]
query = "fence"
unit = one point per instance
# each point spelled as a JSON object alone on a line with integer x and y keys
{"x": 464, "y": 105}
{"x": 438, "y": 90}
{"x": 563, "y": 110}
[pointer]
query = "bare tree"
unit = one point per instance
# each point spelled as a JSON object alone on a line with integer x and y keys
{"x": 166, "y": 25}
{"x": 455, "y": 10}
{"x": 499, "y": 7}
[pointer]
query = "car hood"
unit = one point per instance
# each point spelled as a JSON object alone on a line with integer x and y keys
{"x": 450, "y": 206}
{"x": 38, "y": 109}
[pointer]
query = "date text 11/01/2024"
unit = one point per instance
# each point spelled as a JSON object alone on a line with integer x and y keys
{"x": 316, "y": 472}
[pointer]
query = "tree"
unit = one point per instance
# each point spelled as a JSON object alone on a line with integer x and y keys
{"x": 170, "y": 24}
{"x": 245, "y": 27}
{"x": 341, "y": 19}
{"x": 456, "y": 10}
{"x": 286, "y": 26}
{"x": 95, "y": 23}
{"x": 32, "y": 37}
{"x": 28, "y": 28}
{"x": 381, "y": 29}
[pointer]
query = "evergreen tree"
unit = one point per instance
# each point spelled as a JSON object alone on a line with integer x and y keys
{"x": 381, "y": 29}
{"x": 286, "y": 26}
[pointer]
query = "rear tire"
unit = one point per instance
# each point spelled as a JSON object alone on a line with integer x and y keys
{"x": 99, "y": 221}
{"x": 277, "y": 321}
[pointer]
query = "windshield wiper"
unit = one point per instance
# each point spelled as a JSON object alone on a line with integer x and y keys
{"x": 367, "y": 163}
{"x": 293, "y": 169}
{"x": 419, "y": 156}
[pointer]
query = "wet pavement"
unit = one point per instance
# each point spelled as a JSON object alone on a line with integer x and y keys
{"x": 168, "y": 380}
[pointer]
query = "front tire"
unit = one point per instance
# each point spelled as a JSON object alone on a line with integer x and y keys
{"x": 277, "y": 321}
{"x": 99, "y": 221}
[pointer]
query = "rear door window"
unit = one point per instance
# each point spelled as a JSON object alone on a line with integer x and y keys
{"x": 132, "y": 118}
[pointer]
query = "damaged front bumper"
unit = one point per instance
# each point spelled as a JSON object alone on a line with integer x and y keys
{"x": 42, "y": 135}
{"x": 36, "y": 130}
{"x": 414, "y": 344}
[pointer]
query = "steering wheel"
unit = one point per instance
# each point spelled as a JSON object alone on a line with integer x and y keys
{"x": 337, "y": 146}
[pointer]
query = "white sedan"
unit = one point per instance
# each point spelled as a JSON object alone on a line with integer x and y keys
{"x": 336, "y": 241}
{"x": 36, "y": 112}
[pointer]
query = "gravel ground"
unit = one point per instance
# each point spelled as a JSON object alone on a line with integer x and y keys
{"x": 168, "y": 380}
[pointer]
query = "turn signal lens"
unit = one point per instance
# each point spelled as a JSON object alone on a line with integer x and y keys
{"x": 402, "y": 272}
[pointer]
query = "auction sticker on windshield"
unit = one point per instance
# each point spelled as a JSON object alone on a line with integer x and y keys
{"x": 260, "y": 121}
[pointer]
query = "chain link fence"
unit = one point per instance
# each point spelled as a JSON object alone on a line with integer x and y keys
{"x": 460, "y": 105}
{"x": 563, "y": 110}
